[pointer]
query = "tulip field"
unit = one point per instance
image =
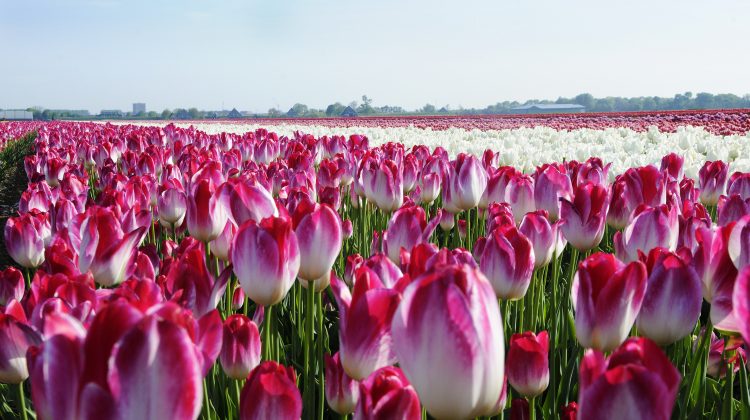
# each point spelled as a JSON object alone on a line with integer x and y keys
{"x": 573, "y": 266}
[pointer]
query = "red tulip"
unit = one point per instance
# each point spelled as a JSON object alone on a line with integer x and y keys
{"x": 240, "y": 349}
{"x": 266, "y": 259}
{"x": 318, "y": 231}
{"x": 271, "y": 393}
{"x": 713, "y": 181}
{"x": 387, "y": 394}
{"x": 636, "y": 381}
{"x": 672, "y": 164}
{"x": 507, "y": 260}
{"x": 672, "y": 303}
{"x": 342, "y": 392}
{"x": 569, "y": 412}
{"x": 584, "y": 218}
{"x": 607, "y": 296}
{"x": 426, "y": 334}
{"x": 528, "y": 364}
{"x": 519, "y": 409}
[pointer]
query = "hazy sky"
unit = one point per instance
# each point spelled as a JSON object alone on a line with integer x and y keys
{"x": 258, "y": 54}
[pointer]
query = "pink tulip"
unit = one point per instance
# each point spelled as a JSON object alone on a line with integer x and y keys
{"x": 650, "y": 228}
{"x": 206, "y": 217}
{"x": 550, "y": 186}
{"x": 25, "y": 238}
{"x": 636, "y": 381}
{"x": 342, "y": 392}
{"x": 507, "y": 260}
{"x": 520, "y": 195}
{"x": 739, "y": 183}
{"x": 222, "y": 245}
{"x": 528, "y": 364}
{"x": 467, "y": 181}
{"x": 584, "y": 218}
{"x": 739, "y": 243}
{"x": 383, "y": 185}
{"x": 365, "y": 324}
{"x": 672, "y": 164}
{"x": 672, "y": 303}
{"x": 607, "y": 296}
{"x": 15, "y": 339}
{"x": 544, "y": 236}
{"x": 387, "y": 394}
{"x": 429, "y": 186}
{"x": 425, "y": 335}
{"x": 172, "y": 205}
{"x": 266, "y": 259}
{"x": 240, "y": 349}
{"x": 732, "y": 208}
{"x": 318, "y": 231}
{"x": 189, "y": 282}
{"x": 741, "y": 303}
{"x": 714, "y": 266}
{"x": 106, "y": 251}
{"x": 407, "y": 228}
{"x": 637, "y": 186}
{"x": 247, "y": 200}
{"x": 712, "y": 181}
{"x": 12, "y": 286}
{"x": 271, "y": 393}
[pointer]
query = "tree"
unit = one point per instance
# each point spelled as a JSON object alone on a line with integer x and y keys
{"x": 166, "y": 114}
{"x": 194, "y": 113}
{"x": 428, "y": 109}
{"x": 273, "y": 112}
{"x": 585, "y": 99}
{"x": 334, "y": 109}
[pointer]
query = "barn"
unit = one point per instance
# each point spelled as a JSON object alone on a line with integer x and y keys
{"x": 548, "y": 109}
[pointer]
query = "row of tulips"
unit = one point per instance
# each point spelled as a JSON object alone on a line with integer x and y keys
{"x": 327, "y": 276}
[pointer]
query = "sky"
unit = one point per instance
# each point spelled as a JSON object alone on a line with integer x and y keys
{"x": 254, "y": 55}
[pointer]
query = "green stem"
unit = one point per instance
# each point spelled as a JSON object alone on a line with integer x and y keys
{"x": 22, "y": 400}
{"x": 268, "y": 320}
{"x": 309, "y": 347}
{"x": 532, "y": 409}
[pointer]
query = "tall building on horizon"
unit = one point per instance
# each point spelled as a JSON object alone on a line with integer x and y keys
{"x": 139, "y": 108}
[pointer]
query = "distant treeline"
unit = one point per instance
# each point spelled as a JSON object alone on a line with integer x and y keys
{"x": 681, "y": 101}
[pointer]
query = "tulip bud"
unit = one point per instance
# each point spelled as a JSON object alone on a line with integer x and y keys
{"x": 712, "y": 179}
{"x": 508, "y": 262}
{"x": 342, "y": 392}
{"x": 607, "y": 296}
{"x": 206, "y": 217}
{"x": 271, "y": 393}
{"x": 550, "y": 186}
{"x": 544, "y": 236}
{"x": 528, "y": 364}
{"x": 238, "y": 298}
{"x": 318, "y": 231}
{"x": 25, "y": 238}
{"x": 650, "y": 228}
{"x": 520, "y": 195}
{"x": 240, "y": 348}
{"x": 387, "y": 394}
{"x": 15, "y": 339}
{"x": 12, "y": 285}
{"x": 585, "y": 217}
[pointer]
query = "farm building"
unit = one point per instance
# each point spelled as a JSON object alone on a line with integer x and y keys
{"x": 234, "y": 113}
{"x": 548, "y": 109}
{"x": 349, "y": 112}
{"x": 16, "y": 114}
{"x": 111, "y": 113}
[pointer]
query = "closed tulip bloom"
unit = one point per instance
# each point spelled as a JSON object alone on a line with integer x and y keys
{"x": 528, "y": 363}
{"x": 672, "y": 303}
{"x": 385, "y": 186}
{"x": 741, "y": 303}
{"x": 543, "y": 235}
{"x": 319, "y": 235}
{"x": 240, "y": 348}
{"x": 731, "y": 209}
{"x": 672, "y": 164}
{"x": 739, "y": 183}
{"x": 406, "y": 229}
{"x": 271, "y": 393}
{"x": 449, "y": 317}
{"x": 342, "y": 392}
{"x": 15, "y": 339}
{"x": 266, "y": 259}
{"x": 12, "y": 285}
{"x": 245, "y": 200}
{"x": 739, "y": 243}
{"x": 387, "y": 394}
{"x": 365, "y": 323}
{"x": 221, "y": 246}
{"x": 607, "y": 295}
{"x": 467, "y": 181}
{"x": 429, "y": 187}
{"x": 651, "y": 227}
{"x": 550, "y": 186}
{"x": 172, "y": 206}
{"x": 25, "y": 237}
{"x": 206, "y": 217}
{"x": 520, "y": 195}
{"x": 585, "y": 217}
{"x": 712, "y": 179}
{"x": 713, "y": 263}
{"x": 637, "y": 381}
{"x": 508, "y": 262}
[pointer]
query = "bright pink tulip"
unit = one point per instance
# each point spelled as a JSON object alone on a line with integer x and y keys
{"x": 387, "y": 394}
{"x": 672, "y": 303}
{"x": 507, "y": 260}
{"x": 672, "y": 164}
{"x": 240, "y": 349}
{"x": 732, "y": 208}
{"x": 384, "y": 185}
{"x": 15, "y": 339}
{"x": 365, "y": 324}
{"x": 636, "y": 381}
{"x": 467, "y": 181}
{"x": 271, "y": 393}
{"x": 206, "y": 216}
{"x": 106, "y": 251}
{"x": 429, "y": 187}
{"x": 222, "y": 245}
{"x": 318, "y": 231}
{"x": 247, "y": 200}
{"x": 520, "y": 195}
{"x": 607, "y": 296}
{"x": 550, "y": 186}
{"x": 425, "y": 334}
{"x": 741, "y": 303}
{"x": 650, "y": 228}
{"x": 713, "y": 264}
{"x": 25, "y": 238}
{"x": 528, "y": 363}
{"x": 172, "y": 205}
{"x": 342, "y": 392}
{"x": 645, "y": 185}
{"x": 407, "y": 228}
{"x": 739, "y": 243}
{"x": 712, "y": 179}
{"x": 266, "y": 259}
{"x": 544, "y": 236}
{"x": 585, "y": 217}
{"x": 12, "y": 285}
{"x": 190, "y": 283}
{"x": 739, "y": 183}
